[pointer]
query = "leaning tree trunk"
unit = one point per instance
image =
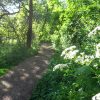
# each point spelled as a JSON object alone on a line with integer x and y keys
{"x": 29, "y": 33}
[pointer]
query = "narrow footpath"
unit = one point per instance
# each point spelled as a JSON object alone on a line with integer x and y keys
{"x": 19, "y": 82}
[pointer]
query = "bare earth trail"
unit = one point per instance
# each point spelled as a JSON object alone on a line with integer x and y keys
{"x": 18, "y": 83}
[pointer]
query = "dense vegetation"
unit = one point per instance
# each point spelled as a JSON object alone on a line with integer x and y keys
{"x": 73, "y": 28}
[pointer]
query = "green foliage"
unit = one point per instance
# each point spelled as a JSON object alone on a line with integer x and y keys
{"x": 77, "y": 78}
{"x": 76, "y": 21}
{"x": 3, "y": 71}
{"x": 74, "y": 82}
{"x": 64, "y": 23}
{"x": 12, "y": 55}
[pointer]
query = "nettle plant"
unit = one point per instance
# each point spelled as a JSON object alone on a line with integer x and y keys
{"x": 86, "y": 68}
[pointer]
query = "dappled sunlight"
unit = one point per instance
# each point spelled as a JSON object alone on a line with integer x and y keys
{"x": 7, "y": 98}
{"x": 54, "y": 41}
{"x": 10, "y": 73}
{"x": 5, "y": 90}
{"x": 46, "y": 61}
{"x": 38, "y": 76}
{"x": 25, "y": 76}
{"x": 6, "y": 84}
{"x": 22, "y": 70}
{"x": 18, "y": 82}
{"x": 35, "y": 69}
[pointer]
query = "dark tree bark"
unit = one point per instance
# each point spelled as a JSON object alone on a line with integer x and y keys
{"x": 0, "y": 39}
{"x": 29, "y": 33}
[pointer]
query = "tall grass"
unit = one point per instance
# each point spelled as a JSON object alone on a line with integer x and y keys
{"x": 11, "y": 55}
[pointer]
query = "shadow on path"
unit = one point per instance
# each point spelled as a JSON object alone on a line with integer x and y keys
{"x": 18, "y": 83}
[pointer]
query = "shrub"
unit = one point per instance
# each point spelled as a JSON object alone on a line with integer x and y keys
{"x": 74, "y": 76}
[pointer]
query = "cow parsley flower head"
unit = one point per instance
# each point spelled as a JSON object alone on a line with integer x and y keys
{"x": 97, "y": 54}
{"x": 72, "y": 47}
{"x": 84, "y": 59}
{"x": 96, "y": 97}
{"x": 67, "y": 50}
{"x": 93, "y": 32}
{"x": 60, "y": 66}
{"x": 69, "y": 53}
{"x": 82, "y": 53}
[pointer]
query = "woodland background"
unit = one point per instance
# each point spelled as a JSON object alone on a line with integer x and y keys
{"x": 73, "y": 29}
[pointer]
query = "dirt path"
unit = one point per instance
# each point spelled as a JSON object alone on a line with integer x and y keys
{"x": 18, "y": 83}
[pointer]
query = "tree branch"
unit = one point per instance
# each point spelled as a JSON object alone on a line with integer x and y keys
{"x": 6, "y": 12}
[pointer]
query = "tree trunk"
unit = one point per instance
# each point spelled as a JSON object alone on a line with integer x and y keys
{"x": 29, "y": 33}
{"x": 0, "y": 39}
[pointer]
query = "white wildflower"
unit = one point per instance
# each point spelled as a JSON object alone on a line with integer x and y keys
{"x": 82, "y": 53}
{"x": 95, "y": 65}
{"x": 71, "y": 54}
{"x": 66, "y": 56}
{"x": 72, "y": 47}
{"x": 84, "y": 59}
{"x": 78, "y": 59}
{"x": 96, "y": 97}
{"x": 97, "y": 54}
{"x": 64, "y": 52}
{"x": 60, "y": 66}
{"x": 93, "y": 32}
{"x": 91, "y": 57}
{"x": 86, "y": 56}
{"x": 67, "y": 50}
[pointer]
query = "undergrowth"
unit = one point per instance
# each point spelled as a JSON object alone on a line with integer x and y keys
{"x": 11, "y": 55}
{"x": 74, "y": 82}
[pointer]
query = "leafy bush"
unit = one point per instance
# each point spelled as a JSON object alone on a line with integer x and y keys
{"x": 11, "y": 55}
{"x": 76, "y": 20}
{"x": 75, "y": 82}
{"x": 72, "y": 76}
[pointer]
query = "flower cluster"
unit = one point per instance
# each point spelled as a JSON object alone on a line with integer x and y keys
{"x": 69, "y": 53}
{"x": 60, "y": 66}
{"x": 73, "y": 53}
{"x": 97, "y": 54}
{"x": 96, "y": 97}
{"x": 84, "y": 59}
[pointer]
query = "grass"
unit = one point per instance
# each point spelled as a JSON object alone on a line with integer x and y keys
{"x": 11, "y": 55}
{"x": 3, "y": 71}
